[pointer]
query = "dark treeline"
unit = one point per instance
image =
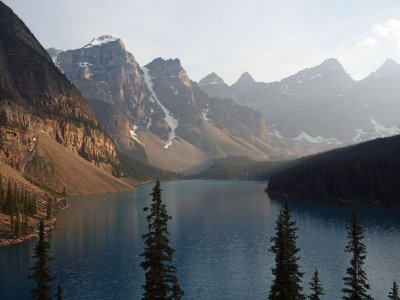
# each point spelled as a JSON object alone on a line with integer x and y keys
{"x": 133, "y": 164}
{"x": 19, "y": 205}
{"x": 367, "y": 172}
{"x": 238, "y": 167}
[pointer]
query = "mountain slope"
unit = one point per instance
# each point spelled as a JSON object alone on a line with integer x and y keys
{"x": 37, "y": 103}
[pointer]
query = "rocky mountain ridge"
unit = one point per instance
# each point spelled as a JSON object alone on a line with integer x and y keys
{"x": 158, "y": 107}
{"x": 322, "y": 104}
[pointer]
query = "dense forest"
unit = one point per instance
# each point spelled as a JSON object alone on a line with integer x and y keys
{"x": 238, "y": 167}
{"x": 367, "y": 172}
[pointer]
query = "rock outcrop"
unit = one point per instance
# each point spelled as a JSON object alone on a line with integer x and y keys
{"x": 136, "y": 104}
{"x": 36, "y": 97}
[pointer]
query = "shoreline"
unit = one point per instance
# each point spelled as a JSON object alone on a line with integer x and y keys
{"x": 49, "y": 224}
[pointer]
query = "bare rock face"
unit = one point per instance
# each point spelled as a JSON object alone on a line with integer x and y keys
{"x": 35, "y": 97}
{"x": 191, "y": 106}
{"x": 104, "y": 71}
{"x": 215, "y": 86}
{"x": 157, "y": 99}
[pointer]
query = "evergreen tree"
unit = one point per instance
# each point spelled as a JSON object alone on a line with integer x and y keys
{"x": 8, "y": 205}
{"x": 49, "y": 213}
{"x": 59, "y": 292}
{"x": 316, "y": 287}
{"x": 17, "y": 226}
{"x": 394, "y": 292}
{"x": 286, "y": 284}
{"x": 161, "y": 281}
{"x": 26, "y": 225}
{"x": 356, "y": 279}
{"x": 41, "y": 271}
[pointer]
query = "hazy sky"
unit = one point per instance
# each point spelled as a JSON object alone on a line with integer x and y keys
{"x": 269, "y": 39}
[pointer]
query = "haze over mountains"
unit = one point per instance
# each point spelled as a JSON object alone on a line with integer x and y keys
{"x": 159, "y": 108}
{"x": 322, "y": 104}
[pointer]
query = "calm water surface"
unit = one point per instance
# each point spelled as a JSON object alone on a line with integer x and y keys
{"x": 220, "y": 230}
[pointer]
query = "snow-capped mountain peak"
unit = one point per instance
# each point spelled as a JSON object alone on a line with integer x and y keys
{"x": 104, "y": 39}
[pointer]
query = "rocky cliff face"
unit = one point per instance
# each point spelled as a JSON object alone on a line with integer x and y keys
{"x": 104, "y": 71}
{"x": 192, "y": 107}
{"x": 159, "y": 99}
{"x": 35, "y": 97}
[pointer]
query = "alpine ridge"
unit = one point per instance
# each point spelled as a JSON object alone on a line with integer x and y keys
{"x": 321, "y": 105}
{"x": 157, "y": 107}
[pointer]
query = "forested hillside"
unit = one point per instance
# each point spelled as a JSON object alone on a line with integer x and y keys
{"x": 367, "y": 172}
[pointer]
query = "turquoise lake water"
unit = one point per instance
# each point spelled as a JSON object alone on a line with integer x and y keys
{"x": 221, "y": 232}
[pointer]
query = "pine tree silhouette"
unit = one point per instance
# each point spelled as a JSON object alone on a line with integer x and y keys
{"x": 41, "y": 271}
{"x": 356, "y": 279}
{"x": 161, "y": 281}
{"x": 286, "y": 284}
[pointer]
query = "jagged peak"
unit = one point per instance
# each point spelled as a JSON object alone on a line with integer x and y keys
{"x": 211, "y": 78}
{"x": 388, "y": 68}
{"x": 245, "y": 78}
{"x": 101, "y": 40}
{"x": 390, "y": 64}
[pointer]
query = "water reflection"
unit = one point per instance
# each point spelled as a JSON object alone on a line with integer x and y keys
{"x": 221, "y": 232}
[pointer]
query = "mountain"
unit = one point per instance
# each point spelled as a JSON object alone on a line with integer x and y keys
{"x": 215, "y": 86}
{"x": 322, "y": 105}
{"x": 366, "y": 172}
{"x": 157, "y": 107}
{"x": 45, "y": 122}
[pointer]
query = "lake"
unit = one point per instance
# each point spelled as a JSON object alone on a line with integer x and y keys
{"x": 221, "y": 232}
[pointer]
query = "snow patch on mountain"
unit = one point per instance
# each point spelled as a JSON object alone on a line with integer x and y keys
{"x": 84, "y": 64}
{"x": 382, "y": 131}
{"x": 210, "y": 83}
{"x": 315, "y": 76}
{"x": 174, "y": 90}
{"x": 360, "y": 136}
{"x": 134, "y": 134}
{"x": 304, "y": 137}
{"x": 204, "y": 114}
{"x": 171, "y": 121}
{"x": 100, "y": 41}
{"x": 378, "y": 132}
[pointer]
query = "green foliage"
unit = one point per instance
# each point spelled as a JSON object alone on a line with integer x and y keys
{"x": 139, "y": 170}
{"x": 394, "y": 292}
{"x": 366, "y": 172}
{"x": 41, "y": 271}
{"x": 316, "y": 287}
{"x": 356, "y": 279}
{"x": 286, "y": 284}
{"x": 235, "y": 167}
{"x": 161, "y": 282}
